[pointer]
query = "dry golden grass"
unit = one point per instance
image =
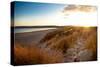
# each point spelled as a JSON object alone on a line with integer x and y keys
{"x": 92, "y": 44}
{"x": 67, "y": 38}
{"x": 34, "y": 55}
{"x": 61, "y": 40}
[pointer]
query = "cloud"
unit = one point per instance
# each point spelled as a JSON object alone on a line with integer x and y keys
{"x": 79, "y": 8}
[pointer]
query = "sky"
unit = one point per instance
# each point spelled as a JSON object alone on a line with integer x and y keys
{"x": 38, "y": 14}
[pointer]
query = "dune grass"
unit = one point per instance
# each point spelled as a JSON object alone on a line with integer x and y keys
{"x": 34, "y": 55}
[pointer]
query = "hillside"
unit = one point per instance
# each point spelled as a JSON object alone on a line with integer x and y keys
{"x": 66, "y": 44}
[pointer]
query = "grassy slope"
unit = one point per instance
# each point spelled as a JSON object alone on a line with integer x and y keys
{"x": 62, "y": 45}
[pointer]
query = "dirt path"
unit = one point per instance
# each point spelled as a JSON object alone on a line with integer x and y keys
{"x": 78, "y": 52}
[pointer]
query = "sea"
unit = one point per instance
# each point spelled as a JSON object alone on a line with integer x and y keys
{"x": 22, "y": 30}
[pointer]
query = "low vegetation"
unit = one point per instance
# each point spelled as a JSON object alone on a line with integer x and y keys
{"x": 35, "y": 55}
{"x": 68, "y": 44}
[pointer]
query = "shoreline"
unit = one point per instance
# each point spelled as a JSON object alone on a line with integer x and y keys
{"x": 31, "y": 37}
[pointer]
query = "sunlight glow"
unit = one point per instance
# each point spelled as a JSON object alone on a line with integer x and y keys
{"x": 80, "y": 19}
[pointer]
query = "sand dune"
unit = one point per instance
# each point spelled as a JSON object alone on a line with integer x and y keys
{"x": 66, "y": 44}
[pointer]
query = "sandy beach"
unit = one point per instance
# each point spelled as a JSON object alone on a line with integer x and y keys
{"x": 31, "y": 37}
